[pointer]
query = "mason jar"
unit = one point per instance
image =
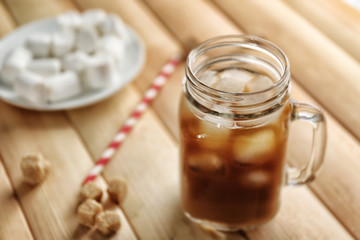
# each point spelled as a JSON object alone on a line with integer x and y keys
{"x": 234, "y": 115}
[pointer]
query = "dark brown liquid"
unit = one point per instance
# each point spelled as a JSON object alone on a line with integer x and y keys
{"x": 232, "y": 176}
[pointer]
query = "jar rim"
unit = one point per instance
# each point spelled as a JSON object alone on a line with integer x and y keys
{"x": 249, "y": 39}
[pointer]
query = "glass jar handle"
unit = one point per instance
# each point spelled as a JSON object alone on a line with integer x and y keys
{"x": 311, "y": 114}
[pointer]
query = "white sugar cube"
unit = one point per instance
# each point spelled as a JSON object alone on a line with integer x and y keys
{"x": 45, "y": 66}
{"x": 75, "y": 61}
{"x": 31, "y": 87}
{"x": 70, "y": 20}
{"x": 108, "y": 25}
{"x": 99, "y": 71}
{"x": 39, "y": 44}
{"x": 94, "y": 17}
{"x": 87, "y": 39}
{"x": 112, "y": 45}
{"x": 18, "y": 60}
{"x": 113, "y": 24}
{"x": 63, "y": 86}
{"x": 62, "y": 42}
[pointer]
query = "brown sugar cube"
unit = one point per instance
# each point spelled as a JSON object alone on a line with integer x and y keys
{"x": 117, "y": 190}
{"x": 87, "y": 212}
{"x": 91, "y": 191}
{"x": 34, "y": 168}
{"x": 108, "y": 222}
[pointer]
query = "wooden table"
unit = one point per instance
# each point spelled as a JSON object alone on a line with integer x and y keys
{"x": 321, "y": 39}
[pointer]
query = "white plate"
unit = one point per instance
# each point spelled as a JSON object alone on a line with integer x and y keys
{"x": 127, "y": 70}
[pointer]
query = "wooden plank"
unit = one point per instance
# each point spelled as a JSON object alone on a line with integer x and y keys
{"x": 282, "y": 227}
{"x": 59, "y": 195}
{"x": 30, "y": 10}
{"x": 12, "y": 220}
{"x": 207, "y": 22}
{"x": 50, "y": 133}
{"x": 336, "y": 185}
{"x": 114, "y": 112}
{"x": 178, "y": 22}
{"x": 334, "y": 18}
{"x": 322, "y": 67}
{"x": 13, "y": 224}
{"x": 23, "y": 132}
{"x": 7, "y": 23}
{"x": 167, "y": 103}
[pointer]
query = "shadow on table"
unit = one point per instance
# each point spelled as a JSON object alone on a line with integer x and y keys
{"x": 184, "y": 228}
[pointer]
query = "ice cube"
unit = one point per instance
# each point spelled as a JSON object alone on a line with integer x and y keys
{"x": 256, "y": 179}
{"x": 208, "y": 78}
{"x": 216, "y": 135}
{"x": 253, "y": 148}
{"x": 233, "y": 80}
{"x": 259, "y": 83}
{"x": 244, "y": 75}
{"x": 229, "y": 85}
{"x": 205, "y": 163}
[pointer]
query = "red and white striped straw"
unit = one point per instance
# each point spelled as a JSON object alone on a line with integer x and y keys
{"x": 119, "y": 138}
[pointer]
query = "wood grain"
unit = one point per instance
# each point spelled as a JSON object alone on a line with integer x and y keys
{"x": 327, "y": 72}
{"x": 285, "y": 223}
{"x": 12, "y": 215}
{"x": 148, "y": 159}
{"x": 298, "y": 93}
{"x": 334, "y": 18}
{"x": 97, "y": 124}
{"x": 13, "y": 223}
{"x": 49, "y": 133}
{"x": 25, "y": 11}
{"x": 166, "y": 104}
{"x": 71, "y": 165}
{"x": 7, "y": 23}
{"x": 336, "y": 185}
{"x": 184, "y": 21}
{"x": 25, "y": 132}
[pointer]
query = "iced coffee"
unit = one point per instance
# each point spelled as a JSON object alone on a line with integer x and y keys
{"x": 232, "y": 174}
{"x": 234, "y": 115}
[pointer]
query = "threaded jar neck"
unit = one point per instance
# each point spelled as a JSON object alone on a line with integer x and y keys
{"x": 244, "y": 52}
